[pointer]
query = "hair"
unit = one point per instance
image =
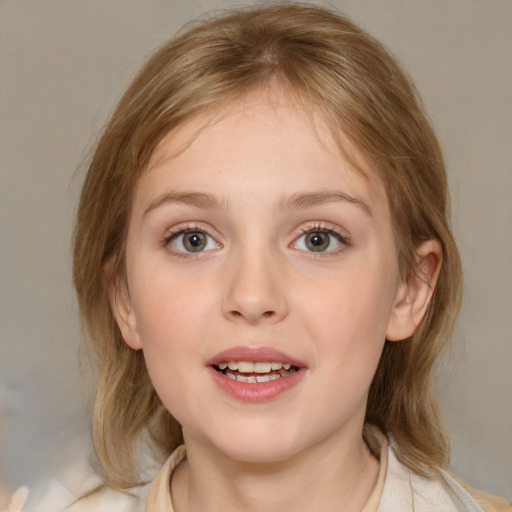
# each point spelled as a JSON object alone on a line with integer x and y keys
{"x": 359, "y": 89}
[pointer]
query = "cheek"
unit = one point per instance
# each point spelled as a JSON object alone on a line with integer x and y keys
{"x": 170, "y": 305}
{"x": 173, "y": 314}
{"x": 171, "y": 324}
{"x": 355, "y": 305}
{"x": 348, "y": 320}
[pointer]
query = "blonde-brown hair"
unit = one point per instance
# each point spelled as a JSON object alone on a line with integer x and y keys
{"x": 352, "y": 81}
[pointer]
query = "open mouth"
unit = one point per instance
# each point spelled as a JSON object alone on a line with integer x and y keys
{"x": 255, "y": 372}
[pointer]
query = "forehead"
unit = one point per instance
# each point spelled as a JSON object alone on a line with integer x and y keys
{"x": 261, "y": 137}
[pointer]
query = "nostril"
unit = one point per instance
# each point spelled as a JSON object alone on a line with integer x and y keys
{"x": 238, "y": 314}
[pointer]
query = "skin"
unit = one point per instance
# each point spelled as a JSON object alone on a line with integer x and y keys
{"x": 258, "y": 283}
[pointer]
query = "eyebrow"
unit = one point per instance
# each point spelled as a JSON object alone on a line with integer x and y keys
{"x": 311, "y": 199}
{"x": 197, "y": 199}
{"x": 298, "y": 201}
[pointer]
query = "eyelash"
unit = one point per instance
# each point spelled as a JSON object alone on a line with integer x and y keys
{"x": 326, "y": 229}
{"x": 315, "y": 228}
{"x": 179, "y": 231}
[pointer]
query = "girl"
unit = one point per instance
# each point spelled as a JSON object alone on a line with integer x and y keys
{"x": 266, "y": 274}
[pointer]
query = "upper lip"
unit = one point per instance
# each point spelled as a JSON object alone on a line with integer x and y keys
{"x": 254, "y": 354}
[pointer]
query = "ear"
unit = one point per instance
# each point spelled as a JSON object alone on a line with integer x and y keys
{"x": 122, "y": 309}
{"x": 415, "y": 292}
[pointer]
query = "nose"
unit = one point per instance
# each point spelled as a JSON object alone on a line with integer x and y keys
{"x": 255, "y": 289}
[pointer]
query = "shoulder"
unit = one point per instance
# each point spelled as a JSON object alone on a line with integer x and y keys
{"x": 486, "y": 502}
{"x": 489, "y": 502}
{"x": 59, "y": 499}
{"x": 404, "y": 491}
{"x": 66, "y": 493}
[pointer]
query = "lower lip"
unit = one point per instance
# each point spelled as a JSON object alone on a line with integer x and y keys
{"x": 259, "y": 391}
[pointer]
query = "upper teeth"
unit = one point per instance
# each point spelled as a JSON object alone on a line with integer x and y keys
{"x": 249, "y": 367}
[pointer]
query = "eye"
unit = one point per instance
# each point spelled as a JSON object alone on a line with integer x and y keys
{"x": 320, "y": 240}
{"x": 192, "y": 241}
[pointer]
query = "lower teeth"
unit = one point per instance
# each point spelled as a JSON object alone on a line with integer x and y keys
{"x": 253, "y": 379}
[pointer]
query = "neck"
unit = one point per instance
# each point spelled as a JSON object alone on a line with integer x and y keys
{"x": 331, "y": 476}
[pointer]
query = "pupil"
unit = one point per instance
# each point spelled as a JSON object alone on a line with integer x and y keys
{"x": 317, "y": 241}
{"x": 195, "y": 242}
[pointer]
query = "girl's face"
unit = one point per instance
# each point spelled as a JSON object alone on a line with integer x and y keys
{"x": 262, "y": 281}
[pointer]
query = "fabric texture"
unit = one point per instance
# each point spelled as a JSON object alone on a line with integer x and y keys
{"x": 398, "y": 489}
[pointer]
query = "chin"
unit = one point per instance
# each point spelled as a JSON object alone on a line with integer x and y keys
{"x": 257, "y": 454}
{"x": 258, "y": 445}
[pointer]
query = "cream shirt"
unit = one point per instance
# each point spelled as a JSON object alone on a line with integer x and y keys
{"x": 398, "y": 489}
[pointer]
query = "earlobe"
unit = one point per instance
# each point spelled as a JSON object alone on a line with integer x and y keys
{"x": 415, "y": 292}
{"x": 122, "y": 310}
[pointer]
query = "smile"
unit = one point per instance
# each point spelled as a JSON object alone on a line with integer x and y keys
{"x": 255, "y": 372}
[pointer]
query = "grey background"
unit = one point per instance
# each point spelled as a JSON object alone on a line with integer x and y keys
{"x": 63, "y": 64}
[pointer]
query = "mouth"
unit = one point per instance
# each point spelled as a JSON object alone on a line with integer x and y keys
{"x": 255, "y": 372}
